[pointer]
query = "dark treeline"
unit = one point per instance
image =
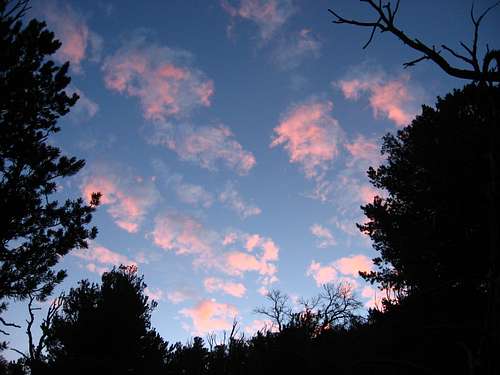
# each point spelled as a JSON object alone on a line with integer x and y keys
{"x": 436, "y": 232}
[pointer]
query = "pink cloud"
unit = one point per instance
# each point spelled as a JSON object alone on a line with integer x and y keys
{"x": 260, "y": 325}
{"x": 390, "y": 98}
{"x": 262, "y": 260}
{"x": 295, "y": 48}
{"x": 100, "y": 258}
{"x": 128, "y": 201}
{"x": 239, "y": 262}
{"x": 178, "y": 296}
{"x": 206, "y": 146}
{"x": 183, "y": 235}
{"x": 213, "y": 284}
{"x": 252, "y": 241}
{"x": 374, "y": 297}
{"x": 270, "y": 251}
{"x": 232, "y": 199}
{"x": 71, "y": 28}
{"x": 268, "y": 15}
{"x": 364, "y": 150}
{"x": 195, "y": 195}
{"x": 367, "y": 193}
{"x": 322, "y": 274}
{"x": 154, "y": 294}
{"x": 84, "y": 109}
{"x": 263, "y": 291}
{"x": 310, "y": 135}
{"x": 353, "y": 264}
{"x": 324, "y": 236}
{"x": 160, "y": 77}
{"x": 209, "y": 315}
{"x": 229, "y": 238}
{"x": 92, "y": 267}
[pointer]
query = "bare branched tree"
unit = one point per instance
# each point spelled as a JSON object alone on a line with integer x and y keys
{"x": 227, "y": 337}
{"x": 386, "y": 14}
{"x": 35, "y": 351}
{"x": 335, "y": 305}
{"x": 280, "y": 310}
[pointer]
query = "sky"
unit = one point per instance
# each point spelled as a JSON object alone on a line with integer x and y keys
{"x": 230, "y": 141}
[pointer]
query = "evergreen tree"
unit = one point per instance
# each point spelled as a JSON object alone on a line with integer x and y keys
{"x": 432, "y": 231}
{"x": 35, "y": 229}
{"x": 106, "y": 329}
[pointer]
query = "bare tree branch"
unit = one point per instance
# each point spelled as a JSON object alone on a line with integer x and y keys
{"x": 385, "y": 22}
{"x": 18, "y": 10}
{"x": 280, "y": 310}
{"x": 7, "y": 324}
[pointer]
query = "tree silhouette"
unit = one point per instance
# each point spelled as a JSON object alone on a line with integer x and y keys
{"x": 386, "y": 15}
{"x": 279, "y": 311}
{"x": 336, "y": 305}
{"x": 437, "y": 181}
{"x": 35, "y": 229}
{"x": 106, "y": 329}
{"x": 433, "y": 231}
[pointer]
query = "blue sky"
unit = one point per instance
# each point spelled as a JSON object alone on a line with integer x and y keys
{"x": 230, "y": 140}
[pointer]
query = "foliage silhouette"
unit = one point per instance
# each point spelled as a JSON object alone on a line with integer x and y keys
{"x": 437, "y": 181}
{"x": 434, "y": 230}
{"x": 106, "y": 329}
{"x": 35, "y": 229}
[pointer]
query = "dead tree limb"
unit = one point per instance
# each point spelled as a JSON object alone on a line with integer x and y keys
{"x": 386, "y": 23}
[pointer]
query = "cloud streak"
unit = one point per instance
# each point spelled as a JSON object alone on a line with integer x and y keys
{"x": 207, "y": 146}
{"x": 232, "y": 199}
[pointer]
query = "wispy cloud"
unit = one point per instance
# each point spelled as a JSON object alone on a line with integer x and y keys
{"x": 353, "y": 264}
{"x": 260, "y": 325}
{"x": 183, "y": 234}
{"x": 323, "y": 235}
{"x": 178, "y": 296}
{"x": 348, "y": 267}
{"x": 310, "y": 135}
{"x": 364, "y": 151}
{"x": 186, "y": 235}
{"x": 267, "y": 15}
{"x": 71, "y": 28}
{"x": 232, "y": 199}
{"x": 128, "y": 198}
{"x": 374, "y": 297}
{"x": 162, "y": 78}
{"x": 100, "y": 259}
{"x": 213, "y": 284}
{"x": 393, "y": 98}
{"x": 207, "y": 146}
{"x": 84, "y": 109}
{"x": 209, "y": 315}
{"x": 192, "y": 194}
{"x": 322, "y": 274}
{"x": 293, "y": 49}
{"x": 262, "y": 260}
{"x": 155, "y": 294}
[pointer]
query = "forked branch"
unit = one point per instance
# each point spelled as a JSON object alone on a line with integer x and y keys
{"x": 386, "y": 14}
